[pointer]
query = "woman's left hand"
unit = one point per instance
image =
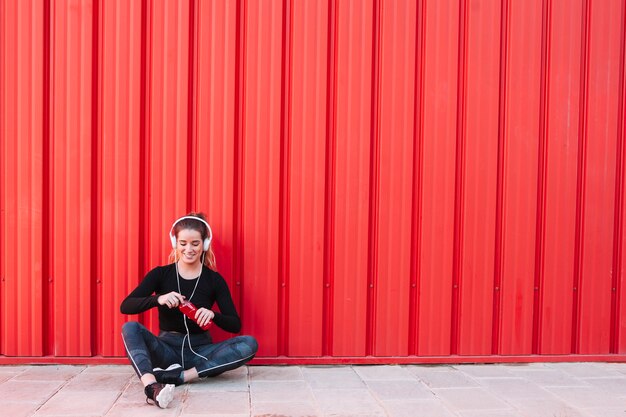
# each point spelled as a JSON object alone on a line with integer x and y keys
{"x": 204, "y": 316}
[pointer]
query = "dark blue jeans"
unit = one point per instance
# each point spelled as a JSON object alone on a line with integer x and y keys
{"x": 147, "y": 351}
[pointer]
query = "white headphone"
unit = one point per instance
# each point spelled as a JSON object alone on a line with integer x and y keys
{"x": 207, "y": 240}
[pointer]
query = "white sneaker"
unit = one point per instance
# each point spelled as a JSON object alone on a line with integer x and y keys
{"x": 161, "y": 394}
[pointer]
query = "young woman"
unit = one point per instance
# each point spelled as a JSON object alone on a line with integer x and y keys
{"x": 183, "y": 351}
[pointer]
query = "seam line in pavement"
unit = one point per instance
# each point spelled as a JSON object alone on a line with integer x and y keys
{"x": 57, "y": 390}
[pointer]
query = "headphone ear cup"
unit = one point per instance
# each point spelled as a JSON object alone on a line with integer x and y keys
{"x": 173, "y": 240}
{"x": 206, "y": 244}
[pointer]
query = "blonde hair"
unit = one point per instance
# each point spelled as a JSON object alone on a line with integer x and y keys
{"x": 209, "y": 255}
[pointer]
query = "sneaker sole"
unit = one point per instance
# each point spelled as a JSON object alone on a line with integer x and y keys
{"x": 165, "y": 396}
{"x": 169, "y": 368}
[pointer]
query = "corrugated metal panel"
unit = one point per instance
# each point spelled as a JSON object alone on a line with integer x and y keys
{"x": 384, "y": 178}
{"x": 516, "y": 215}
{"x": 477, "y": 169}
{"x": 303, "y": 220}
{"x": 604, "y": 25}
{"x": 349, "y": 176}
{"x": 439, "y": 65}
{"x": 261, "y": 161}
{"x": 72, "y": 188}
{"x": 563, "y": 73}
{"x": 392, "y": 207}
{"x": 214, "y": 138}
{"x": 168, "y": 120}
{"x": 22, "y": 172}
{"x": 618, "y": 313}
{"x": 120, "y": 162}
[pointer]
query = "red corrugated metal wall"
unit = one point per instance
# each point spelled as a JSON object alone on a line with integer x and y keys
{"x": 407, "y": 179}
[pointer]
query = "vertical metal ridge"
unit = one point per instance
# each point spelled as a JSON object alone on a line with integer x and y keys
{"x": 72, "y": 159}
{"x": 580, "y": 187}
{"x": 618, "y": 235}
{"x": 304, "y": 173}
{"x": 96, "y": 174}
{"x": 192, "y": 127}
{"x": 330, "y": 181}
{"x": 120, "y": 161}
{"x": 20, "y": 152}
{"x": 3, "y": 176}
{"x": 2, "y": 168}
{"x": 544, "y": 104}
{"x": 395, "y": 142}
{"x": 261, "y": 194}
{"x": 53, "y": 197}
{"x": 459, "y": 180}
{"x": 374, "y": 180}
{"x": 500, "y": 177}
{"x": 418, "y": 175}
{"x": 238, "y": 167}
{"x": 2, "y": 100}
{"x": 144, "y": 135}
{"x": 46, "y": 238}
{"x": 353, "y": 130}
{"x": 284, "y": 252}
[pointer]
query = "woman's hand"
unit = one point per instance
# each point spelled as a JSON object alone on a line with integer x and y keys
{"x": 171, "y": 299}
{"x": 204, "y": 316}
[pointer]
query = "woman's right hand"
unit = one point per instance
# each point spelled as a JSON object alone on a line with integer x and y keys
{"x": 171, "y": 299}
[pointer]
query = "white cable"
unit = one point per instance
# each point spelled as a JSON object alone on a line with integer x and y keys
{"x": 188, "y": 336}
{"x": 189, "y": 343}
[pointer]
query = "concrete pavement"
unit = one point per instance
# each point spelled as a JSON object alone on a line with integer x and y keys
{"x": 499, "y": 390}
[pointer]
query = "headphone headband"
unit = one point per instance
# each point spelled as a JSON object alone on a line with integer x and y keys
{"x": 207, "y": 241}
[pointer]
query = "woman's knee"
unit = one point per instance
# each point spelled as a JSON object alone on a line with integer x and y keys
{"x": 250, "y": 343}
{"x": 132, "y": 327}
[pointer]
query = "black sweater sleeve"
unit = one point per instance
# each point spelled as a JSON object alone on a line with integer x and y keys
{"x": 142, "y": 298}
{"x": 227, "y": 318}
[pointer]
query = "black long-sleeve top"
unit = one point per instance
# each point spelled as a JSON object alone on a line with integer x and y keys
{"x": 162, "y": 280}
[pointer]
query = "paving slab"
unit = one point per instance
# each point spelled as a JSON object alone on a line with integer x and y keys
{"x": 343, "y": 377}
{"x": 585, "y": 369}
{"x": 547, "y": 377}
{"x": 19, "y": 408}
{"x": 515, "y": 388}
{"x": 611, "y": 385}
{"x": 79, "y": 403}
{"x": 422, "y": 408}
{"x": 133, "y": 393}
{"x": 348, "y": 401}
{"x": 280, "y": 391}
{"x": 98, "y": 382}
{"x": 492, "y": 390}
{"x": 606, "y": 412}
{"x": 386, "y": 390}
{"x": 485, "y": 413}
{"x": 447, "y": 378}
{"x": 217, "y": 403}
{"x": 382, "y": 372}
{"x": 420, "y": 370}
{"x": 587, "y": 397}
{"x": 470, "y": 399}
{"x": 547, "y": 408}
{"x": 49, "y": 373}
{"x": 485, "y": 370}
{"x": 276, "y": 373}
{"x": 29, "y": 391}
{"x": 139, "y": 409}
{"x": 291, "y": 409}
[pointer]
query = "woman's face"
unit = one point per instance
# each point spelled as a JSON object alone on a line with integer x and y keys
{"x": 189, "y": 245}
